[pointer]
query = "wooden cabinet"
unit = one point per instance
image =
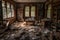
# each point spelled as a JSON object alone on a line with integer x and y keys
{"x": 41, "y": 12}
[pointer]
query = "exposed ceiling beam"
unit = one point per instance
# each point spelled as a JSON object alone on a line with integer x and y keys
{"x": 30, "y": 0}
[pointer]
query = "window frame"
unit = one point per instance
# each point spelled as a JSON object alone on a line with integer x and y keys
{"x": 30, "y": 18}
{"x": 10, "y": 9}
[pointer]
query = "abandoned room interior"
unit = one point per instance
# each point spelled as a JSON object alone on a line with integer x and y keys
{"x": 29, "y": 19}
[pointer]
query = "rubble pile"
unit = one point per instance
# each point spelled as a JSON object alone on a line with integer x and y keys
{"x": 26, "y": 32}
{"x": 22, "y": 33}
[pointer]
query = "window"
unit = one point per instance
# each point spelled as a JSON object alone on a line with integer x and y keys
{"x": 7, "y": 10}
{"x": 30, "y": 11}
{"x": 27, "y": 11}
{"x": 49, "y": 11}
{"x": 33, "y": 11}
{"x": 12, "y": 11}
{"x": 4, "y": 9}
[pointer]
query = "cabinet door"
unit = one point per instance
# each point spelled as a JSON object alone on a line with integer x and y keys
{"x": 40, "y": 11}
{"x": 54, "y": 14}
{"x": 58, "y": 12}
